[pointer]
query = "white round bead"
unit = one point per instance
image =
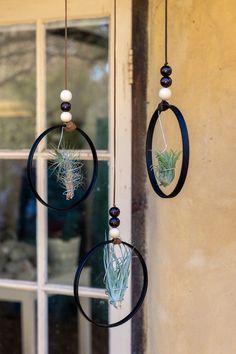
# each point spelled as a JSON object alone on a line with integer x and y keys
{"x": 66, "y": 117}
{"x": 164, "y": 93}
{"x": 114, "y": 232}
{"x": 66, "y": 96}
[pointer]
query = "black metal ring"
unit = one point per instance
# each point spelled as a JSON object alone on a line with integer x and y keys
{"x": 30, "y": 167}
{"x": 142, "y": 295}
{"x": 185, "y": 142}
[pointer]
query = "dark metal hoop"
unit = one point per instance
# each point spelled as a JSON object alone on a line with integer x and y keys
{"x": 142, "y": 295}
{"x": 185, "y": 142}
{"x": 30, "y": 167}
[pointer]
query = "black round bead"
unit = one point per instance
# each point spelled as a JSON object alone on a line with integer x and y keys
{"x": 114, "y": 222}
{"x": 114, "y": 211}
{"x": 65, "y": 106}
{"x": 166, "y": 81}
{"x": 166, "y": 70}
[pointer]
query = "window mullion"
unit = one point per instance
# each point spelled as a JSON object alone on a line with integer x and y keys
{"x": 123, "y": 159}
{"x": 41, "y": 168}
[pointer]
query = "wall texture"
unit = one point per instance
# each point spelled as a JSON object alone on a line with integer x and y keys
{"x": 191, "y": 305}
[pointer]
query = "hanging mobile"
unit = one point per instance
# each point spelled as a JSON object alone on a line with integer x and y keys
{"x": 162, "y": 172}
{"x": 117, "y": 254}
{"x": 69, "y": 171}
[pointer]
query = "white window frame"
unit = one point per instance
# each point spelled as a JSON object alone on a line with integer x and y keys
{"x": 40, "y": 13}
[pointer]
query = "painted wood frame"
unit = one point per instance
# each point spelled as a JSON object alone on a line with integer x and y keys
{"x": 39, "y": 13}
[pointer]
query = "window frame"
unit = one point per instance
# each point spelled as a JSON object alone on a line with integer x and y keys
{"x": 42, "y": 13}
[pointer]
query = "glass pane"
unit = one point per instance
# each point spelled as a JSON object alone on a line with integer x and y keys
{"x": 17, "y": 86}
{"x": 79, "y": 228}
{"x": 70, "y": 333}
{"x": 17, "y": 222}
{"x": 18, "y": 321}
{"x": 10, "y": 333}
{"x": 87, "y": 76}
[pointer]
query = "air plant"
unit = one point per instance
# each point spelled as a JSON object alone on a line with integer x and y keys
{"x": 117, "y": 261}
{"x": 68, "y": 170}
{"x": 165, "y": 168}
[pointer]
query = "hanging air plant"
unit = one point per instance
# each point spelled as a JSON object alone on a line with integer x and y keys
{"x": 117, "y": 262}
{"x": 117, "y": 254}
{"x": 68, "y": 170}
{"x": 165, "y": 168}
{"x": 163, "y": 173}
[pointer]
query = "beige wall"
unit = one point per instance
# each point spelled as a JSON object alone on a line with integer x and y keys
{"x": 191, "y": 304}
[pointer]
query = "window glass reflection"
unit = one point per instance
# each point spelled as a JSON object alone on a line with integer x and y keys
{"x": 17, "y": 222}
{"x": 17, "y": 86}
{"x": 18, "y": 321}
{"x": 87, "y": 76}
{"x": 77, "y": 231}
{"x": 10, "y": 333}
{"x": 70, "y": 332}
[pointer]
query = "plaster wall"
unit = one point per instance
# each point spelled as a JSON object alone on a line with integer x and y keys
{"x": 191, "y": 247}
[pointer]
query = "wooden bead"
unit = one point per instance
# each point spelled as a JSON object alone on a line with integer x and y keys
{"x": 66, "y": 95}
{"x": 165, "y": 93}
{"x": 114, "y": 222}
{"x": 114, "y": 211}
{"x": 113, "y": 233}
{"x": 65, "y": 106}
{"x": 166, "y": 70}
{"x": 66, "y": 117}
{"x": 166, "y": 81}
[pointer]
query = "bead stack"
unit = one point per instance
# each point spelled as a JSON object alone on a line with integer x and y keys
{"x": 66, "y": 97}
{"x": 166, "y": 81}
{"x": 114, "y": 222}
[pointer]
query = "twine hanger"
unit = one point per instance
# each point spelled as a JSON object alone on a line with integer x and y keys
{"x": 114, "y": 102}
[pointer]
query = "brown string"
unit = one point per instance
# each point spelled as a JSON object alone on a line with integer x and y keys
{"x": 116, "y": 241}
{"x": 66, "y": 78}
{"x": 114, "y": 137}
{"x": 166, "y": 32}
{"x": 70, "y": 126}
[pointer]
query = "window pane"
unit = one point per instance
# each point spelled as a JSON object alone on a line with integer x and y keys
{"x": 70, "y": 333}
{"x": 18, "y": 321}
{"x": 10, "y": 332}
{"x": 17, "y": 222}
{"x": 17, "y": 87}
{"x": 87, "y": 76}
{"x": 78, "y": 230}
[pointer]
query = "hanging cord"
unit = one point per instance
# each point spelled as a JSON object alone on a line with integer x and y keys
{"x": 61, "y": 137}
{"x": 163, "y": 134}
{"x": 114, "y": 102}
{"x": 166, "y": 63}
{"x": 166, "y": 32}
{"x": 66, "y": 65}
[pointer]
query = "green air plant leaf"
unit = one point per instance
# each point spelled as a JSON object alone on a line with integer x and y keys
{"x": 165, "y": 168}
{"x": 68, "y": 170}
{"x": 117, "y": 262}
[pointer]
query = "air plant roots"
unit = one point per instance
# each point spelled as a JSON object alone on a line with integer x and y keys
{"x": 68, "y": 170}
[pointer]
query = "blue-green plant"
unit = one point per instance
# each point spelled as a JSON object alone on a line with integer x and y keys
{"x": 165, "y": 167}
{"x": 68, "y": 170}
{"x": 117, "y": 263}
